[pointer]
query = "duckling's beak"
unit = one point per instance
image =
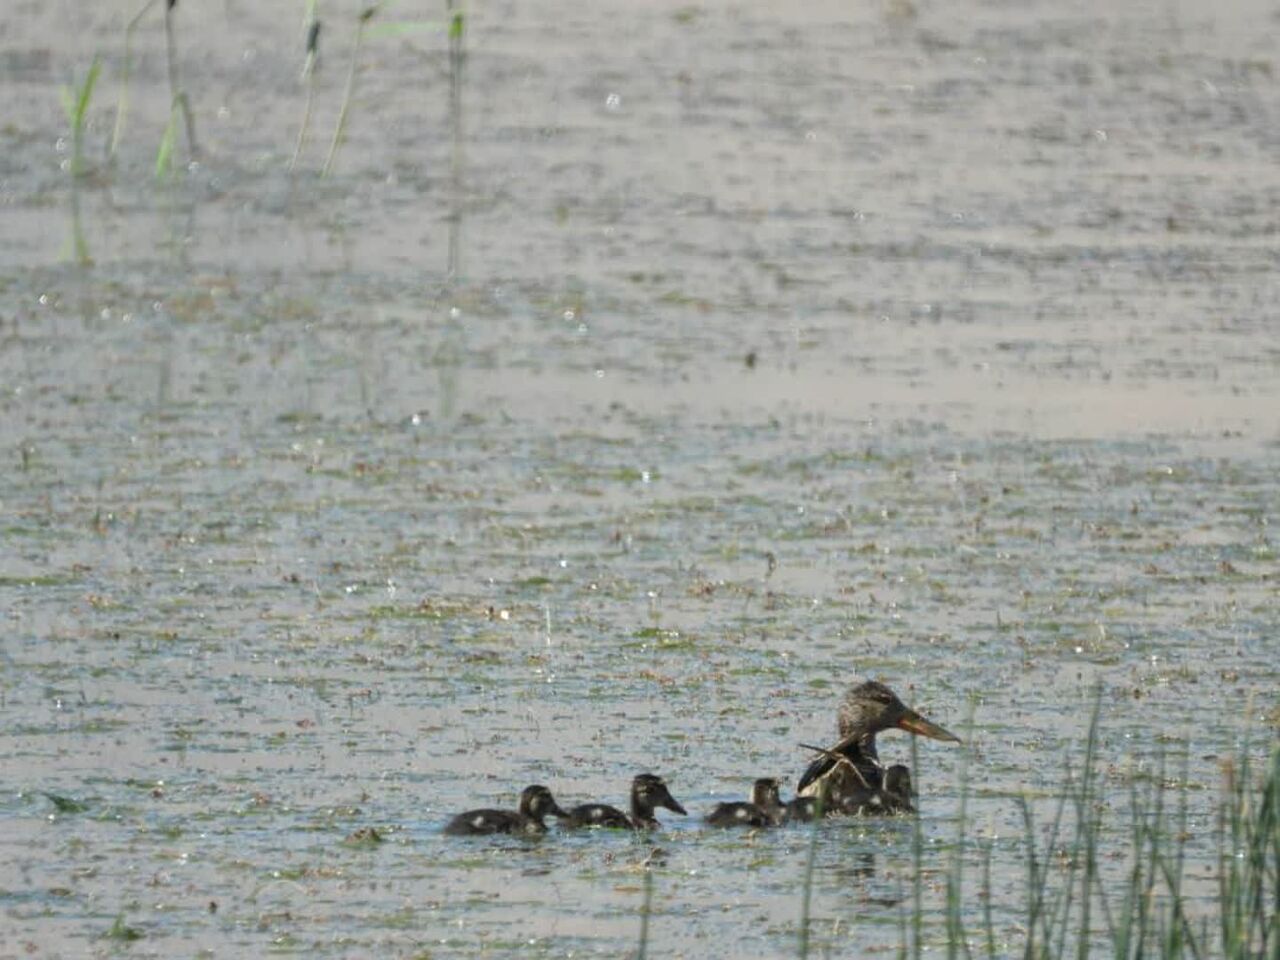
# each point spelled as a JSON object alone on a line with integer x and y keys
{"x": 668, "y": 801}
{"x": 912, "y": 722}
{"x": 555, "y": 811}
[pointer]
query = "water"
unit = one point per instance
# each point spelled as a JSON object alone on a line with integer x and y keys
{"x": 929, "y": 342}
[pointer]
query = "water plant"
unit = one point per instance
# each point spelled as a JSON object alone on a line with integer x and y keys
{"x": 646, "y": 910}
{"x": 806, "y": 894}
{"x": 309, "y": 77}
{"x": 1070, "y": 911}
{"x": 75, "y": 101}
{"x": 179, "y": 104}
{"x": 122, "y": 104}
{"x": 457, "y": 61}
{"x": 339, "y": 129}
{"x": 178, "y": 101}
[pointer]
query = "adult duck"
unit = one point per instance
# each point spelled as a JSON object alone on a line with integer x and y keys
{"x": 848, "y": 777}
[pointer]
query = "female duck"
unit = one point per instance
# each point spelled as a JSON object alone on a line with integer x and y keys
{"x": 848, "y": 777}
{"x": 648, "y": 792}
{"x": 535, "y": 803}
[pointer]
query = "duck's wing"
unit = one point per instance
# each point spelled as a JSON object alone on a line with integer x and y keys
{"x": 598, "y": 815}
{"x": 479, "y": 822}
{"x": 737, "y": 814}
{"x": 860, "y": 768}
{"x": 821, "y": 767}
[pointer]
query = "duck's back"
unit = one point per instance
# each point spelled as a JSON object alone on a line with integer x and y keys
{"x": 738, "y": 814}
{"x": 849, "y": 777}
{"x": 479, "y": 822}
{"x": 598, "y": 815}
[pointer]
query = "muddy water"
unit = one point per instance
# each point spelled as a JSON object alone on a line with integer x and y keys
{"x": 935, "y": 342}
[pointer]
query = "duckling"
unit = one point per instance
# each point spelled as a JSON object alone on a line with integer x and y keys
{"x": 800, "y": 809}
{"x": 648, "y": 791}
{"x": 764, "y": 810}
{"x": 535, "y": 803}
{"x": 892, "y": 796}
{"x": 898, "y": 789}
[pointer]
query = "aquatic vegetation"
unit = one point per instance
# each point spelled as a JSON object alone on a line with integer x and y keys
{"x": 340, "y": 127}
{"x": 75, "y": 101}
{"x": 309, "y": 78}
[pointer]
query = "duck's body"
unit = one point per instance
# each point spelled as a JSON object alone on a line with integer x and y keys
{"x": 848, "y": 777}
{"x": 648, "y": 792}
{"x": 765, "y": 808}
{"x": 536, "y": 803}
{"x": 801, "y": 809}
{"x": 898, "y": 790}
{"x": 598, "y": 815}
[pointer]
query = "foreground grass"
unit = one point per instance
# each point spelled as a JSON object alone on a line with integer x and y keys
{"x": 1068, "y": 910}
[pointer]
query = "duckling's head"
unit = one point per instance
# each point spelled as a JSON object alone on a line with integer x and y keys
{"x": 536, "y": 801}
{"x": 649, "y": 791}
{"x": 870, "y": 707}
{"x": 765, "y": 793}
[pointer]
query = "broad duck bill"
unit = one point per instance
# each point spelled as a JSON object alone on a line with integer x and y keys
{"x": 912, "y": 722}
{"x": 671, "y": 803}
{"x": 648, "y": 792}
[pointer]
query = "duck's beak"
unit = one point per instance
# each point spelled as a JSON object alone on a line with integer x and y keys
{"x": 912, "y": 722}
{"x": 555, "y": 811}
{"x": 668, "y": 801}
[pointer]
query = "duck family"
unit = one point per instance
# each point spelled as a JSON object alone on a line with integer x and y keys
{"x": 845, "y": 779}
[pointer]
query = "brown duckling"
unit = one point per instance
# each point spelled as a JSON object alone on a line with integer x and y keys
{"x": 536, "y": 802}
{"x": 765, "y": 808}
{"x": 648, "y": 792}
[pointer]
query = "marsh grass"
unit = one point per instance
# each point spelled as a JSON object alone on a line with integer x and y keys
{"x": 122, "y": 104}
{"x": 457, "y": 62}
{"x": 75, "y": 101}
{"x": 1068, "y": 910}
{"x": 806, "y": 895}
{"x": 339, "y": 129}
{"x": 1249, "y": 859}
{"x": 309, "y": 77}
{"x": 646, "y": 910}
{"x": 122, "y": 932}
{"x": 178, "y": 102}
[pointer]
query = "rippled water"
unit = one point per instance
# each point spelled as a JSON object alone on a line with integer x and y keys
{"x": 927, "y": 341}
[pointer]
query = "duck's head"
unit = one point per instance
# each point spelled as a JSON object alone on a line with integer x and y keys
{"x": 536, "y": 801}
{"x": 649, "y": 791}
{"x": 764, "y": 793}
{"x": 870, "y": 707}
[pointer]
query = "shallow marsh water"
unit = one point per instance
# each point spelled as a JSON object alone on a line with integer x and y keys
{"x": 935, "y": 342}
